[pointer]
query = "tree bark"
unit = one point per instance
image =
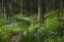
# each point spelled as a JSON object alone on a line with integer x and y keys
{"x": 40, "y": 12}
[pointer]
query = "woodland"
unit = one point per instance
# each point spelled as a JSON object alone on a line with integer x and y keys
{"x": 31, "y": 20}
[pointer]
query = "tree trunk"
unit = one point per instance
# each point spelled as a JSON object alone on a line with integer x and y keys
{"x": 21, "y": 6}
{"x": 40, "y": 12}
{"x": 59, "y": 13}
{"x": 61, "y": 18}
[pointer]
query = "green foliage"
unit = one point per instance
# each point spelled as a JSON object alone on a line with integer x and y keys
{"x": 32, "y": 28}
{"x": 3, "y": 22}
{"x": 33, "y": 17}
{"x": 7, "y": 33}
{"x": 49, "y": 32}
{"x": 26, "y": 13}
{"x": 8, "y": 29}
{"x": 32, "y": 32}
{"x": 16, "y": 8}
{"x": 51, "y": 23}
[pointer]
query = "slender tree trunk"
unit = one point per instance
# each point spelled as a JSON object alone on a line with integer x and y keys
{"x": 6, "y": 4}
{"x": 40, "y": 12}
{"x": 31, "y": 7}
{"x": 21, "y": 6}
{"x": 59, "y": 13}
{"x": 10, "y": 16}
{"x": 35, "y": 7}
{"x": 3, "y": 7}
{"x": 61, "y": 18}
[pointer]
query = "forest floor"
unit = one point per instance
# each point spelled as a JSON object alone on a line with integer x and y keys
{"x": 15, "y": 37}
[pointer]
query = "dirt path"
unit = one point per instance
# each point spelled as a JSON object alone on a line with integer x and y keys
{"x": 15, "y": 37}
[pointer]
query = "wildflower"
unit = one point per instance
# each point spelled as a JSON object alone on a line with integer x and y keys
{"x": 40, "y": 29}
{"x": 63, "y": 31}
{"x": 59, "y": 40}
{"x": 54, "y": 33}
{"x": 45, "y": 40}
{"x": 35, "y": 34}
{"x": 25, "y": 32}
{"x": 40, "y": 32}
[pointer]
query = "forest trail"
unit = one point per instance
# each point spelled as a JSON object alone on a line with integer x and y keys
{"x": 15, "y": 37}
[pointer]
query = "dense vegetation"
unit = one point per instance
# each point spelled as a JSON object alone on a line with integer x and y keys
{"x": 8, "y": 29}
{"x": 48, "y": 32}
{"x": 36, "y": 20}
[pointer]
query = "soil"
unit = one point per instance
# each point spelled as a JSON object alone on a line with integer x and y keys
{"x": 15, "y": 37}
